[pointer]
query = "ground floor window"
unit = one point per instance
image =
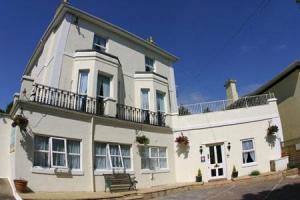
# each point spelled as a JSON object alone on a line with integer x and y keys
{"x": 112, "y": 156}
{"x": 248, "y": 151}
{"x": 154, "y": 158}
{"x": 56, "y": 152}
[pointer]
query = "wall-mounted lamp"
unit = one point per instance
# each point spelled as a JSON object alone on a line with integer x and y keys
{"x": 201, "y": 150}
{"x": 228, "y": 146}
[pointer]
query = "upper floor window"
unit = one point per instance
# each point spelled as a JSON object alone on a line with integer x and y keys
{"x": 56, "y": 152}
{"x": 145, "y": 99}
{"x": 83, "y": 81}
{"x": 99, "y": 43}
{"x": 112, "y": 156}
{"x": 103, "y": 85}
{"x": 160, "y": 101}
{"x": 248, "y": 151}
{"x": 149, "y": 64}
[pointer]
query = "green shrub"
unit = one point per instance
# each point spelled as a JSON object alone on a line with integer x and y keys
{"x": 199, "y": 172}
{"x": 254, "y": 173}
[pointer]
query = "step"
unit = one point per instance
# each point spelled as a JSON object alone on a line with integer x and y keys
{"x": 139, "y": 196}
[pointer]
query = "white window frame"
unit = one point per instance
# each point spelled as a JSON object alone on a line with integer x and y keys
{"x": 245, "y": 151}
{"x": 50, "y": 155}
{"x": 79, "y": 79}
{"x": 149, "y": 66}
{"x": 164, "y": 101}
{"x": 109, "y": 156}
{"x": 157, "y": 157}
{"x": 148, "y": 94}
{"x": 103, "y": 48}
{"x": 59, "y": 152}
{"x": 42, "y": 151}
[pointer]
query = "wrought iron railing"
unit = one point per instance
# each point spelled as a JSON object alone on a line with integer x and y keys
{"x": 66, "y": 99}
{"x": 133, "y": 114}
{"x": 223, "y": 105}
{"x": 82, "y": 103}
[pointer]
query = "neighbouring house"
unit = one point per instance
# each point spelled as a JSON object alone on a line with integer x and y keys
{"x": 286, "y": 87}
{"x": 96, "y": 99}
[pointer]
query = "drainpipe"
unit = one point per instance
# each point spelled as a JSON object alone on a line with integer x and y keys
{"x": 92, "y": 151}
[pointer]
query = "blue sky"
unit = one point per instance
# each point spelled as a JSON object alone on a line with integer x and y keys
{"x": 202, "y": 33}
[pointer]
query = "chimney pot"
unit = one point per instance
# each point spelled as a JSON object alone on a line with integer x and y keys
{"x": 231, "y": 91}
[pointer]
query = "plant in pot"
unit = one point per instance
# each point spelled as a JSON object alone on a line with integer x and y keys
{"x": 21, "y": 185}
{"x": 182, "y": 140}
{"x": 20, "y": 121}
{"x": 272, "y": 130}
{"x": 234, "y": 173}
{"x": 199, "y": 176}
{"x": 142, "y": 139}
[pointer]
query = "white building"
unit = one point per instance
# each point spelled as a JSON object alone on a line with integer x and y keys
{"x": 90, "y": 88}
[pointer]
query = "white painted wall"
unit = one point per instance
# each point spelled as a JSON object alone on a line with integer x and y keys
{"x": 5, "y": 133}
{"x": 224, "y": 127}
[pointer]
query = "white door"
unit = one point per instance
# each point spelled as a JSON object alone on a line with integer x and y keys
{"x": 216, "y": 159}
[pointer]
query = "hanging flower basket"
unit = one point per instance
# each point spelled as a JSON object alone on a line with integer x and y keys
{"x": 20, "y": 121}
{"x": 272, "y": 130}
{"x": 182, "y": 140}
{"x": 142, "y": 139}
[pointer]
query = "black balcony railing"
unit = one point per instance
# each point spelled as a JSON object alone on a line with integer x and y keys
{"x": 66, "y": 99}
{"x": 140, "y": 116}
{"x": 82, "y": 103}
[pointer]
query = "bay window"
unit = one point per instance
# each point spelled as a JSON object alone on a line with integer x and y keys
{"x": 52, "y": 152}
{"x": 154, "y": 158}
{"x": 112, "y": 156}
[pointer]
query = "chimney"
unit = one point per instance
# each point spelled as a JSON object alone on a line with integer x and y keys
{"x": 231, "y": 91}
{"x": 151, "y": 40}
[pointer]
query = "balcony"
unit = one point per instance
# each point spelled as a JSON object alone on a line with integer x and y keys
{"x": 223, "y": 105}
{"x": 99, "y": 106}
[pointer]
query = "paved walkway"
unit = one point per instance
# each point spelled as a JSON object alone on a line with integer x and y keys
{"x": 285, "y": 188}
{"x": 5, "y": 190}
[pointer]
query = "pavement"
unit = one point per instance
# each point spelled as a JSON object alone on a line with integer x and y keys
{"x": 284, "y": 188}
{"x": 6, "y": 192}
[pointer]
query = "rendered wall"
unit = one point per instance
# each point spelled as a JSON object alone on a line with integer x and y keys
{"x": 5, "y": 133}
{"x": 224, "y": 127}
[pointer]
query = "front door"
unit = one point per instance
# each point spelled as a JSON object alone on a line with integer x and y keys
{"x": 216, "y": 166}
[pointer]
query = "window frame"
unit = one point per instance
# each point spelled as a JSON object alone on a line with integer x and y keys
{"x": 246, "y": 151}
{"x": 102, "y": 48}
{"x": 80, "y": 71}
{"x": 152, "y": 68}
{"x": 52, "y": 167}
{"x": 157, "y": 157}
{"x": 148, "y": 99}
{"x": 108, "y": 156}
{"x": 109, "y": 77}
{"x": 163, "y": 94}
{"x": 58, "y": 152}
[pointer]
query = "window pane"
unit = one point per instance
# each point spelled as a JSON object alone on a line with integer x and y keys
{"x": 101, "y": 163}
{"x": 220, "y": 171}
{"x": 83, "y": 81}
{"x": 116, "y": 161}
{"x": 219, "y": 154}
{"x": 41, "y": 143}
{"x": 145, "y": 163}
{"x": 160, "y": 102}
{"x": 248, "y": 157}
{"x": 154, "y": 152}
{"x": 145, "y": 99}
{"x": 125, "y": 149}
{"x": 41, "y": 159}
{"x": 212, "y": 155}
{"x": 154, "y": 163}
{"x": 247, "y": 145}
{"x": 114, "y": 150}
{"x": 144, "y": 152}
{"x": 73, "y": 146}
{"x": 58, "y": 145}
{"x": 163, "y": 162}
{"x": 162, "y": 152}
{"x": 213, "y": 172}
{"x": 103, "y": 85}
{"x": 127, "y": 163}
{"x": 58, "y": 159}
{"x": 99, "y": 42}
{"x": 100, "y": 149}
{"x": 74, "y": 161}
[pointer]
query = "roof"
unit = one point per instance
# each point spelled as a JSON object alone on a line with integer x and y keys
{"x": 67, "y": 8}
{"x": 287, "y": 71}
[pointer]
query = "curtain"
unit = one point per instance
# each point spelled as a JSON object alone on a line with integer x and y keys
{"x": 103, "y": 86}
{"x": 160, "y": 102}
{"x": 101, "y": 161}
{"x": 73, "y": 148}
{"x": 41, "y": 159}
{"x": 58, "y": 158}
{"x": 125, "y": 150}
{"x": 83, "y": 80}
{"x": 41, "y": 143}
{"x": 247, "y": 145}
{"x": 145, "y": 99}
{"x": 163, "y": 163}
{"x": 115, "y": 156}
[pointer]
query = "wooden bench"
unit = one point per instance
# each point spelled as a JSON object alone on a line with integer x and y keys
{"x": 119, "y": 182}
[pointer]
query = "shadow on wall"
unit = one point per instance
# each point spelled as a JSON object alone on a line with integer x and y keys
{"x": 27, "y": 142}
{"x": 183, "y": 150}
{"x": 287, "y": 192}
